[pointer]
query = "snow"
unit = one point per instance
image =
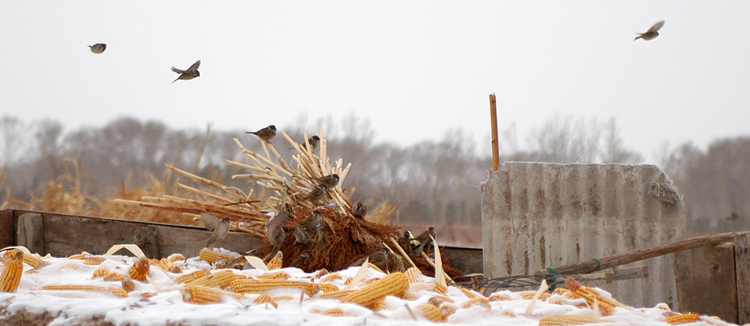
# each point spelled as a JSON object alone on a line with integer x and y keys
{"x": 167, "y": 305}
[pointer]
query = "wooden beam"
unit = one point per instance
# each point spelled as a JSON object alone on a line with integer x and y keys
{"x": 7, "y": 237}
{"x": 742, "y": 271}
{"x": 495, "y": 149}
{"x": 641, "y": 254}
{"x": 31, "y": 232}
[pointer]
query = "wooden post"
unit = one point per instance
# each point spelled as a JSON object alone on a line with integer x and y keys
{"x": 31, "y": 232}
{"x": 742, "y": 275}
{"x": 495, "y": 149}
{"x": 7, "y": 238}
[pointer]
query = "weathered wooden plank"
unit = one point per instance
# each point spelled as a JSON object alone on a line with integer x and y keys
{"x": 30, "y": 232}
{"x": 705, "y": 281}
{"x": 742, "y": 271}
{"x": 67, "y": 235}
{"x": 7, "y": 238}
{"x": 468, "y": 260}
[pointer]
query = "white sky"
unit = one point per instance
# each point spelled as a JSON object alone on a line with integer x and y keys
{"x": 414, "y": 69}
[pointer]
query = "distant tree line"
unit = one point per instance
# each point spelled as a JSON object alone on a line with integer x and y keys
{"x": 432, "y": 182}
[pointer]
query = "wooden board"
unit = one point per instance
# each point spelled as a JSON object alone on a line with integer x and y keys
{"x": 6, "y": 229}
{"x": 742, "y": 270}
{"x": 705, "y": 281}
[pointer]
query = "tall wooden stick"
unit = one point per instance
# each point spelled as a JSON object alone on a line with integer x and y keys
{"x": 495, "y": 149}
{"x": 640, "y": 254}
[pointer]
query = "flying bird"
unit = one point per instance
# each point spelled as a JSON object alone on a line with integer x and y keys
{"x": 275, "y": 225}
{"x": 188, "y": 74}
{"x": 265, "y": 134}
{"x": 220, "y": 228}
{"x": 98, "y": 48}
{"x": 652, "y": 32}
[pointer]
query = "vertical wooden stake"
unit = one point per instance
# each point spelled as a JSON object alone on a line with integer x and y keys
{"x": 495, "y": 149}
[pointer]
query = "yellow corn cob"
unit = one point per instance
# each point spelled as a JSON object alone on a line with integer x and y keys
{"x": 275, "y": 276}
{"x": 79, "y": 256}
{"x": 277, "y": 261}
{"x": 372, "y": 280}
{"x": 201, "y": 294}
{"x": 327, "y": 287}
{"x": 469, "y": 293}
{"x": 165, "y": 264}
{"x": 127, "y": 284}
{"x": 211, "y": 256}
{"x": 265, "y": 299}
{"x": 139, "y": 270}
{"x": 176, "y": 257}
{"x": 499, "y": 297}
{"x": 283, "y": 298}
{"x": 93, "y": 260}
{"x": 88, "y": 288}
{"x": 432, "y": 313}
{"x": 440, "y": 288}
{"x": 113, "y": 276}
{"x": 34, "y": 261}
{"x": 101, "y": 271}
{"x": 192, "y": 276}
{"x": 484, "y": 302}
{"x": 413, "y": 274}
{"x": 334, "y": 312}
{"x": 527, "y": 295}
{"x": 683, "y": 318}
{"x": 393, "y": 284}
{"x": 336, "y": 294}
{"x": 563, "y": 320}
{"x": 605, "y": 304}
{"x": 439, "y": 300}
{"x": 563, "y": 292}
{"x": 331, "y": 277}
{"x": 221, "y": 279}
{"x": 11, "y": 275}
{"x": 260, "y": 286}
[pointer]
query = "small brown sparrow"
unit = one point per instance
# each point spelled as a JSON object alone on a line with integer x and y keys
{"x": 405, "y": 242}
{"x": 278, "y": 241}
{"x": 301, "y": 237}
{"x": 98, "y": 48}
{"x": 312, "y": 221}
{"x": 302, "y": 260}
{"x": 275, "y": 225}
{"x": 317, "y": 194}
{"x": 314, "y": 140}
{"x": 359, "y": 210}
{"x": 330, "y": 180}
{"x": 380, "y": 259}
{"x": 220, "y": 228}
{"x": 188, "y": 74}
{"x": 652, "y": 32}
{"x": 424, "y": 238}
{"x": 265, "y": 134}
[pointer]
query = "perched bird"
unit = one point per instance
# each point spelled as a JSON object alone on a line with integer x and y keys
{"x": 317, "y": 194}
{"x": 275, "y": 225}
{"x": 265, "y": 134}
{"x": 313, "y": 143}
{"x": 188, "y": 74}
{"x": 278, "y": 240}
{"x": 652, "y": 32}
{"x": 220, "y": 228}
{"x": 330, "y": 180}
{"x": 424, "y": 238}
{"x": 301, "y": 237}
{"x": 404, "y": 242}
{"x": 359, "y": 210}
{"x": 312, "y": 221}
{"x": 98, "y": 48}
{"x": 380, "y": 259}
{"x": 302, "y": 260}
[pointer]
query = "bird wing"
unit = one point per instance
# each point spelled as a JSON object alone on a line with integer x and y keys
{"x": 656, "y": 27}
{"x": 195, "y": 66}
{"x": 178, "y": 70}
{"x": 209, "y": 220}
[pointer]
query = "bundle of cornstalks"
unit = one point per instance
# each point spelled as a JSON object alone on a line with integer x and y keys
{"x": 339, "y": 241}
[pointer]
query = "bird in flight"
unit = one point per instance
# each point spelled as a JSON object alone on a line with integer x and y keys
{"x": 652, "y": 32}
{"x": 189, "y": 73}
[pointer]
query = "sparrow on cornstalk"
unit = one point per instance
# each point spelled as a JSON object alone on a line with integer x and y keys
{"x": 265, "y": 134}
{"x": 314, "y": 140}
{"x": 188, "y": 74}
{"x": 405, "y": 242}
{"x": 330, "y": 180}
{"x": 312, "y": 221}
{"x": 652, "y": 32}
{"x": 317, "y": 194}
{"x": 424, "y": 238}
{"x": 98, "y": 48}
{"x": 359, "y": 210}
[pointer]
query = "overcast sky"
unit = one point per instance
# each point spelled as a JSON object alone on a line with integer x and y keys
{"x": 414, "y": 69}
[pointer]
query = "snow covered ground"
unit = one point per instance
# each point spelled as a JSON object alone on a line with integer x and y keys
{"x": 149, "y": 305}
